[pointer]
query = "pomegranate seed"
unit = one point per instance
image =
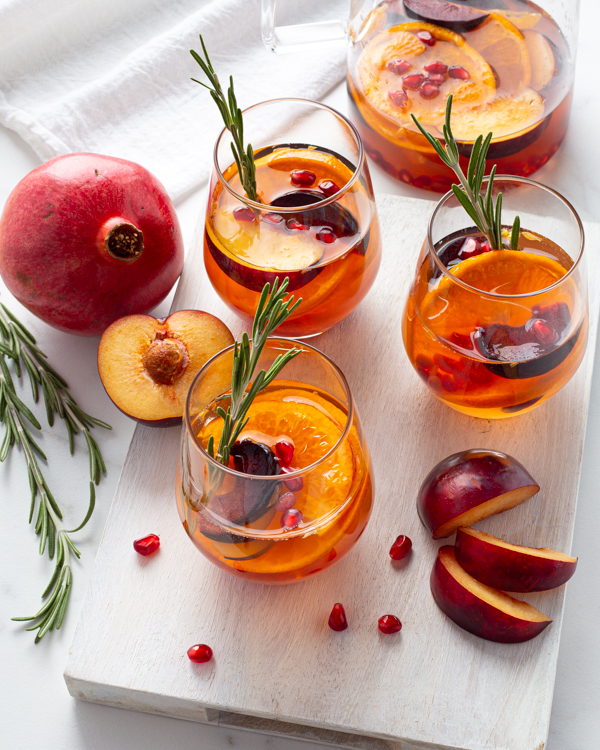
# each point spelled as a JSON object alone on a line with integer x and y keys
{"x": 470, "y": 248}
{"x": 147, "y": 545}
{"x": 485, "y": 247}
{"x": 302, "y": 178}
{"x": 273, "y": 218}
{"x": 399, "y": 97}
{"x": 448, "y": 383}
{"x": 437, "y": 67}
{"x": 399, "y": 67}
{"x": 200, "y": 653}
{"x": 436, "y": 78}
{"x": 291, "y": 519}
{"x": 326, "y": 236}
{"x": 284, "y": 451}
{"x": 337, "y": 618}
{"x": 544, "y": 333}
{"x": 426, "y": 37}
{"x": 285, "y": 502}
{"x": 243, "y": 213}
{"x": 429, "y": 91}
{"x": 400, "y": 548}
{"x": 327, "y": 187}
{"x": 295, "y": 224}
{"x": 332, "y": 555}
{"x": 294, "y": 484}
{"x": 457, "y": 72}
{"x": 389, "y": 624}
{"x": 413, "y": 81}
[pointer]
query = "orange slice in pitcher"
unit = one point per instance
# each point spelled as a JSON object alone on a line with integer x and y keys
{"x": 503, "y": 46}
{"x": 504, "y": 115}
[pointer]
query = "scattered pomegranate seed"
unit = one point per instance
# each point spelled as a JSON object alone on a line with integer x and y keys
{"x": 437, "y": 67}
{"x": 302, "y": 178}
{"x": 400, "y": 548}
{"x": 436, "y": 78}
{"x": 285, "y": 502}
{"x": 399, "y": 67}
{"x": 147, "y": 545}
{"x": 295, "y": 224}
{"x": 273, "y": 218}
{"x": 544, "y": 333}
{"x": 337, "y": 618}
{"x": 413, "y": 81}
{"x": 389, "y": 624}
{"x": 284, "y": 450}
{"x": 200, "y": 653}
{"x": 243, "y": 213}
{"x": 399, "y": 97}
{"x": 291, "y": 519}
{"x": 426, "y": 37}
{"x": 326, "y": 236}
{"x": 294, "y": 484}
{"x": 457, "y": 72}
{"x": 328, "y": 188}
{"x": 429, "y": 91}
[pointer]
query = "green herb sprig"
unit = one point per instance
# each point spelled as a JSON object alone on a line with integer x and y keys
{"x": 486, "y": 216}
{"x": 232, "y": 117}
{"x": 18, "y": 345}
{"x": 271, "y": 312}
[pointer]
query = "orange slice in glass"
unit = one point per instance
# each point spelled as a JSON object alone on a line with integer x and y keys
{"x": 503, "y": 46}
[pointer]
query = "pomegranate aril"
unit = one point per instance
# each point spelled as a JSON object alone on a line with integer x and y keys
{"x": 328, "y": 188}
{"x": 273, "y": 218}
{"x": 295, "y": 224}
{"x": 399, "y": 97}
{"x": 447, "y": 364}
{"x": 557, "y": 315}
{"x": 429, "y": 91}
{"x": 337, "y": 618}
{"x": 243, "y": 213}
{"x": 326, "y": 236}
{"x": 400, "y": 548}
{"x": 544, "y": 333}
{"x": 457, "y": 72}
{"x": 147, "y": 545}
{"x": 332, "y": 555}
{"x": 389, "y": 624}
{"x": 469, "y": 249}
{"x": 285, "y": 502}
{"x": 399, "y": 67}
{"x": 413, "y": 81}
{"x": 200, "y": 653}
{"x": 291, "y": 519}
{"x": 426, "y": 37}
{"x": 284, "y": 451}
{"x": 294, "y": 484}
{"x": 302, "y": 178}
{"x": 437, "y": 67}
{"x": 436, "y": 78}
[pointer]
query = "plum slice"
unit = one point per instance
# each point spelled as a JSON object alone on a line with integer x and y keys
{"x": 449, "y": 15}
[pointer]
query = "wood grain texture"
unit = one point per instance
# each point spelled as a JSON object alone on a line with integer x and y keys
{"x": 431, "y": 686}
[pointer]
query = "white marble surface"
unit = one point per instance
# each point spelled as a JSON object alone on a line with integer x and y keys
{"x": 35, "y": 708}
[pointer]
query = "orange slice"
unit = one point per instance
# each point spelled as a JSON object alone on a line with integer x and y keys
{"x": 522, "y": 19}
{"x": 543, "y": 63}
{"x": 503, "y": 46}
{"x": 504, "y": 115}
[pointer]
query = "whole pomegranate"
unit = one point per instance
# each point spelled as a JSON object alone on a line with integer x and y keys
{"x": 86, "y": 239}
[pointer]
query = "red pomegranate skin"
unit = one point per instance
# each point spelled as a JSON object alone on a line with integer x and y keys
{"x": 52, "y": 251}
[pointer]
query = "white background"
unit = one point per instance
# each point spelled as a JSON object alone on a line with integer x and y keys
{"x": 35, "y": 708}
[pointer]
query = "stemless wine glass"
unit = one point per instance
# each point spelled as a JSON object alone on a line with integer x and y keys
{"x": 495, "y": 333}
{"x": 316, "y": 221}
{"x": 285, "y": 527}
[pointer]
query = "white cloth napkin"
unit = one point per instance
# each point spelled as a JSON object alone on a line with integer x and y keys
{"x": 113, "y": 76}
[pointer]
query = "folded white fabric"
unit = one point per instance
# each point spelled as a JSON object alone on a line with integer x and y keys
{"x": 113, "y": 76}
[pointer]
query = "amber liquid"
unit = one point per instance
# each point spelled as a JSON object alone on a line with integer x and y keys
{"x": 332, "y": 278}
{"x": 482, "y": 355}
{"x": 527, "y": 106}
{"x": 335, "y": 498}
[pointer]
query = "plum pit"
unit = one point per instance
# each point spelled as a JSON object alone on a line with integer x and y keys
{"x": 166, "y": 360}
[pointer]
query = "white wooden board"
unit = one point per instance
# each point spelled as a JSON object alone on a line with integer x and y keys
{"x": 277, "y": 667}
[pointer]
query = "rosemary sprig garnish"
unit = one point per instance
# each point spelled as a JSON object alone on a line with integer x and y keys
{"x": 19, "y": 345}
{"x": 232, "y": 117}
{"x": 481, "y": 209}
{"x": 272, "y": 310}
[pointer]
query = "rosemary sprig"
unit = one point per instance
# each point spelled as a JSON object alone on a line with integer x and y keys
{"x": 481, "y": 209}
{"x": 18, "y": 344}
{"x": 272, "y": 310}
{"x": 232, "y": 117}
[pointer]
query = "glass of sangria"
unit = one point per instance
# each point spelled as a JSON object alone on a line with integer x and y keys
{"x": 508, "y": 63}
{"x": 494, "y": 333}
{"x": 316, "y": 221}
{"x": 298, "y": 489}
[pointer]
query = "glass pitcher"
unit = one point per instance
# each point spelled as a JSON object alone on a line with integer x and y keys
{"x": 508, "y": 64}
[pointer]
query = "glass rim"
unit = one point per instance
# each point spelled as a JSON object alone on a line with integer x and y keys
{"x": 294, "y": 209}
{"x": 495, "y": 295}
{"x": 275, "y": 477}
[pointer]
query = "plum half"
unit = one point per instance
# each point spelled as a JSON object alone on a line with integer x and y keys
{"x": 147, "y": 365}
